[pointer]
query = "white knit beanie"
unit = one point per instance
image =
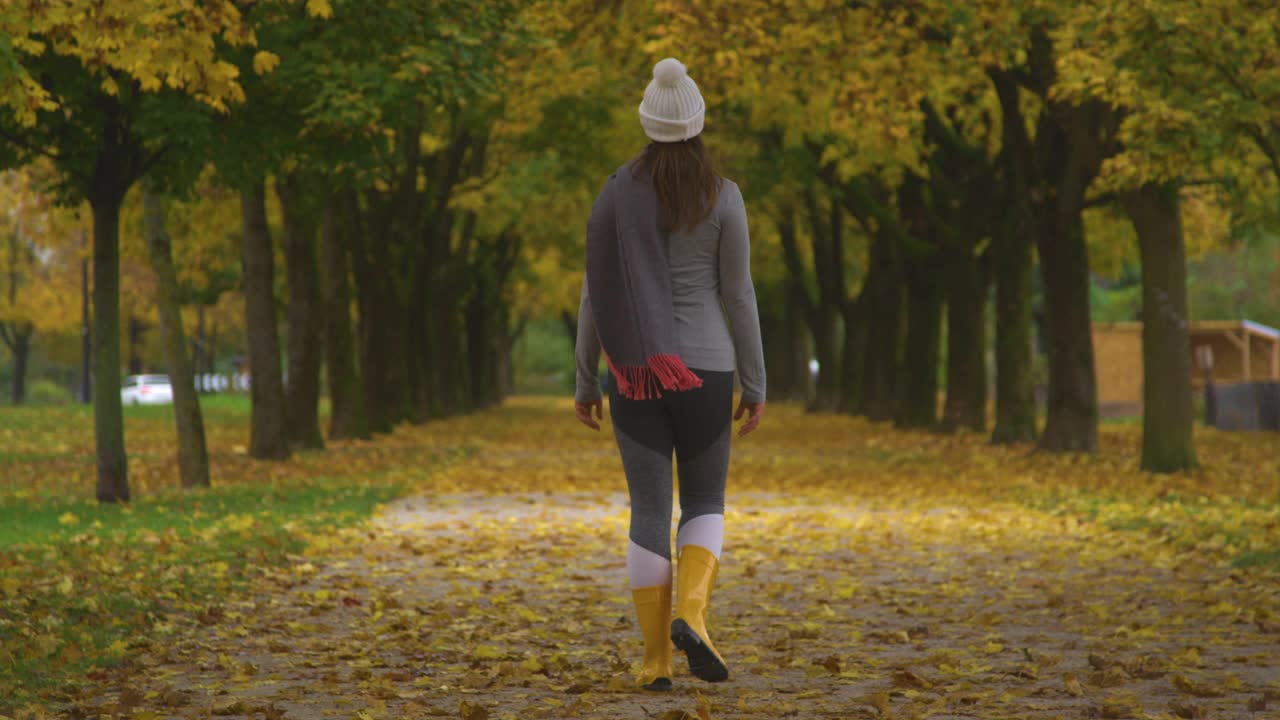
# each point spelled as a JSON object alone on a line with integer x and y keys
{"x": 672, "y": 109}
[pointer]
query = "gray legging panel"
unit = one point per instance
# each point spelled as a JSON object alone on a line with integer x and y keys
{"x": 695, "y": 425}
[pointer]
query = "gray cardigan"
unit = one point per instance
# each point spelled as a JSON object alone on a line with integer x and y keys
{"x": 710, "y": 265}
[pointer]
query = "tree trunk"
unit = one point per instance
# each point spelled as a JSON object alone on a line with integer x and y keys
{"x": 777, "y": 351}
{"x": 451, "y": 380}
{"x": 17, "y": 337}
{"x": 785, "y": 336}
{"x": 193, "y": 457}
{"x": 918, "y": 407}
{"x": 17, "y": 334}
{"x": 211, "y": 354}
{"x": 86, "y": 336}
{"x": 1167, "y": 414}
{"x": 385, "y": 351}
{"x": 479, "y": 334}
{"x": 1069, "y": 149}
{"x": 1015, "y": 389}
{"x": 346, "y": 403}
{"x": 199, "y": 347}
{"x": 418, "y": 357}
{"x": 268, "y": 438}
{"x": 799, "y": 345}
{"x": 21, "y": 355}
{"x": 826, "y": 346}
{"x": 508, "y": 362}
{"x": 1072, "y": 423}
{"x": 136, "y": 329}
{"x": 302, "y": 388}
{"x": 966, "y": 403}
{"x": 108, "y": 415}
{"x": 372, "y": 320}
{"x": 853, "y": 357}
{"x": 884, "y": 332}
{"x": 1011, "y": 246}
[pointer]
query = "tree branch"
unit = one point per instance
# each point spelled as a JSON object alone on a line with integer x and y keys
{"x": 27, "y": 146}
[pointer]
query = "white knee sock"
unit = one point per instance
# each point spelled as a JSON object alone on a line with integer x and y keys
{"x": 646, "y": 568}
{"x": 704, "y": 531}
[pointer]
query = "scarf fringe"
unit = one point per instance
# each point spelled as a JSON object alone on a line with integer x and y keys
{"x": 660, "y": 372}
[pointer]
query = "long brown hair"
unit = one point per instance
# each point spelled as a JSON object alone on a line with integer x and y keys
{"x": 685, "y": 177}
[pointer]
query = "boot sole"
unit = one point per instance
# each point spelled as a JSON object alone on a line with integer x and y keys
{"x": 704, "y": 664}
{"x": 659, "y": 685}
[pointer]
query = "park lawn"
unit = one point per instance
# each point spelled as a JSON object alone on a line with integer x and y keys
{"x": 82, "y": 584}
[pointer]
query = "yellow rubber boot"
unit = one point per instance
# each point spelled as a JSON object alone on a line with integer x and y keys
{"x": 653, "y": 607}
{"x": 695, "y": 576}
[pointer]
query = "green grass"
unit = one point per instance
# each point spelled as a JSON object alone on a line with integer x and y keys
{"x": 1180, "y": 519}
{"x": 1258, "y": 558}
{"x": 80, "y": 583}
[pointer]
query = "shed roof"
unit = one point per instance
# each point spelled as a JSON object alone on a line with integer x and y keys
{"x": 1247, "y": 326}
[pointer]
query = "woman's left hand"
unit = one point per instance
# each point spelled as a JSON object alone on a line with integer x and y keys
{"x": 583, "y": 411}
{"x": 753, "y": 411}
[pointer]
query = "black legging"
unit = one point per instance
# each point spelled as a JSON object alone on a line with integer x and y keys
{"x": 696, "y": 425}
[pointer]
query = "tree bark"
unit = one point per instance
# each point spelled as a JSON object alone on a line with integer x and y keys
{"x": 966, "y": 403}
{"x": 306, "y": 325}
{"x": 136, "y": 329}
{"x": 346, "y": 403}
{"x": 1015, "y": 389}
{"x": 853, "y": 357}
{"x": 371, "y": 322}
{"x": 1011, "y": 245}
{"x": 108, "y": 415}
{"x": 200, "y": 345}
{"x": 450, "y": 374}
{"x": 918, "y": 407}
{"x": 21, "y": 356}
{"x": 268, "y": 439}
{"x": 17, "y": 337}
{"x": 193, "y": 456}
{"x": 1069, "y": 149}
{"x": 384, "y": 352}
{"x": 419, "y": 368}
{"x": 820, "y": 313}
{"x": 86, "y": 335}
{"x": 1167, "y": 415}
{"x": 884, "y": 332}
{"x": 799, "y": 344}
{"x": 825, "y": 329}
{"x": 785, "y": 335}
{"x": 479, "y": 335}
{"x": 1072, "y": 422}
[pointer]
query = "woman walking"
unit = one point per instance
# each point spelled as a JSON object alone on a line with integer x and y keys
{"x": 667, "y": 246}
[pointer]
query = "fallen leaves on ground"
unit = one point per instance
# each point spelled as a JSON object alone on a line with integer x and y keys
{"x": 866, "y": 573}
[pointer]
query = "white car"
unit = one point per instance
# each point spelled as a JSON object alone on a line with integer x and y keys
{"x": 146, "y": 390}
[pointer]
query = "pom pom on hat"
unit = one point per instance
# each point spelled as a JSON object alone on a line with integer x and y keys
{"x": 669, "y": 72}
{"x": 673, "y": 109}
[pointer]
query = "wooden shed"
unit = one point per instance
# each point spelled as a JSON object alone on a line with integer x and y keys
{"x": 1242, "y": 351}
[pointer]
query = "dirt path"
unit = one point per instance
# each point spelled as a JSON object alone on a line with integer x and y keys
{"x": 484, "y": 605}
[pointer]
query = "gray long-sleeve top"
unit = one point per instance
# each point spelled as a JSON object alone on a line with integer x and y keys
{"x": 709, "y": 265}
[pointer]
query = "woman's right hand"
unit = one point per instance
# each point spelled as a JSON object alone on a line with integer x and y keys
{"x": 583, "y": 411}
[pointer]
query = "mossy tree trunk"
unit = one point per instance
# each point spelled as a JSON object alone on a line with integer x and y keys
{"x": 1012, "y": 254}
{"x": 346, "y": 403}
{"x": 268, "y": 437}
{"x": 966, "y": 399}
{"x": 298, "y": 203}
{"x": 918, "y": 404}
{"x": 193, "y": 454}
{"x": 1167, "y": 414}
